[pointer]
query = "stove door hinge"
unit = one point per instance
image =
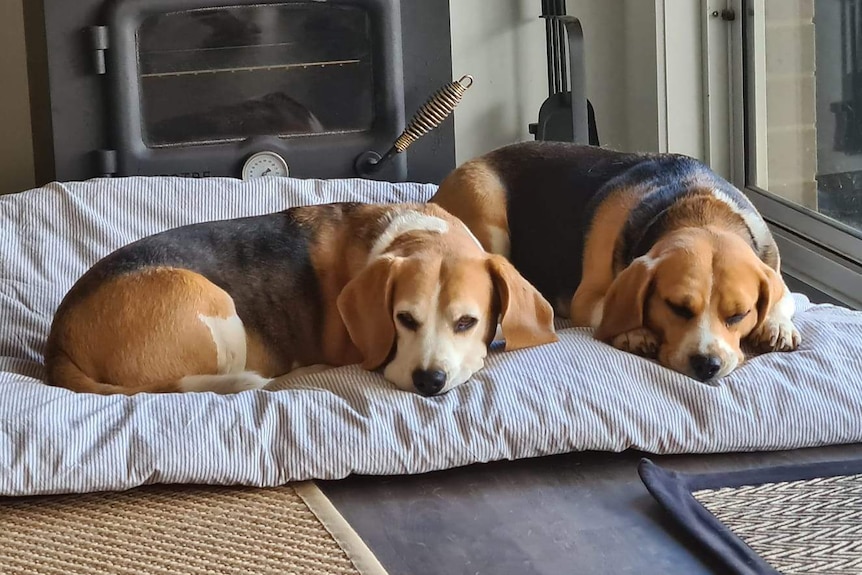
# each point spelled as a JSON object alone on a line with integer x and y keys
{"x": 106, "y": 163}
{"x": 98, "y": 44}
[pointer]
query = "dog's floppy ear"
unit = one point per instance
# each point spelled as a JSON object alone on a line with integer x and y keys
{"x": 365, "y": 305}
{"x": 527, "y": 319}
{"x": 771, "y": 290}
{"x": 624, "y": 303}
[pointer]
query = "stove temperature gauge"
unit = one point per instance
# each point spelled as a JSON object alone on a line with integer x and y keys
{"x": 263, "y": 164}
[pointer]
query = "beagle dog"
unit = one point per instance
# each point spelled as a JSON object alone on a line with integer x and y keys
{"x": 658, "y": 254}
{"x": 227, "y": 305}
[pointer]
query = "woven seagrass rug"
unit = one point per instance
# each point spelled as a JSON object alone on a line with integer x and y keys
{"x": 796, "y": 520}
{"x": 172, "y": 530}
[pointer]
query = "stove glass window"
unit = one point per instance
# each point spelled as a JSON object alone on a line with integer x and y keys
{"x": 226, "y": 74}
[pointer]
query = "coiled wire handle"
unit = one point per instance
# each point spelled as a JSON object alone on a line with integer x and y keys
{"x": 432, "y": 113}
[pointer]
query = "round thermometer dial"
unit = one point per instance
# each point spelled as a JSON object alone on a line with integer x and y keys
{"x": 263, "y": 164}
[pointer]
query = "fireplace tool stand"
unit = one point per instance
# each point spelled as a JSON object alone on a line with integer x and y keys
{"x": 566, "y": 115}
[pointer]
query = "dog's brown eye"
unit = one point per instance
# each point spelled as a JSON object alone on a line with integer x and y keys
{"x": 464, "y": 323}
{"x": 680, "y": 310}
{"x": 407, "y": 320}
{"x": 735, "y": 319}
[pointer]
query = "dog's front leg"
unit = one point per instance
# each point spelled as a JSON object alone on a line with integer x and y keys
{"x": 777, "y": 332}
{"x": 587, "y": 307}
{"x": 640, "y": 341}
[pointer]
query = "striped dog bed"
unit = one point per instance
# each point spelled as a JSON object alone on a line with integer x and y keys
{"x": 577, "y": 394}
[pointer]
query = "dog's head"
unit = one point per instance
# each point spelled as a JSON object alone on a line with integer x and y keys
{"x": 700, "y": 291}
{"x": 430, "y": 317}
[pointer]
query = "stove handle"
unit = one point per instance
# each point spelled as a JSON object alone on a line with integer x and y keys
{"x": 432, "y": 113}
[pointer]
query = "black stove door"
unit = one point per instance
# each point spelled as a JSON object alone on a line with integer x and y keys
{"x": 199, "y": 87}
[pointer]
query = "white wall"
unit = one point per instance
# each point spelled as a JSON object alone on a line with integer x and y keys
{"x": 502, "y": 45}
{"x": 504, "y": 49}
{"x": 641, "y": 76}
{"x": 680, "y": 61}
{"x": 605, "y": 48}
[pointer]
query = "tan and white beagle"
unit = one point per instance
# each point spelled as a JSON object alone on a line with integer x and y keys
{"x": 655, "y": 251}
{"x": 225, "y": 306}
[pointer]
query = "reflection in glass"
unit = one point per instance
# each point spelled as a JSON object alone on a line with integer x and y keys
{"x": 810, "y": 129}
{"x": 230, "y": 73}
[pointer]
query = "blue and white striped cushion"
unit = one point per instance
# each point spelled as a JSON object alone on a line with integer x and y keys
{"x": 577, "y": 394}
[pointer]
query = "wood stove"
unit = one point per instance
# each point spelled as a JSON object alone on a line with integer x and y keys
{"x": 234, "y": 87}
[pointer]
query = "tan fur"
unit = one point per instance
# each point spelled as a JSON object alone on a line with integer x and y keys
{"x": 702, "y": 264}
{"x": 704, "y": 260}
{"x": 477, "y": 195}
{"x": 365, "y": 305}
{"x": 116, "y": 335}
{"x": 526, "y": 317}
{"x": 725, "y": 281}
{"x": 339, "y": 254}
{"x": 598, "y": 271}
{"x": 439, "y": 278}
{"x": 150, "y": 329}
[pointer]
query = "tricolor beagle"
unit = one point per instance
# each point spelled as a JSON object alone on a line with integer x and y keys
{"x": 663, "y": 257}
{"x": 224, "y": 306}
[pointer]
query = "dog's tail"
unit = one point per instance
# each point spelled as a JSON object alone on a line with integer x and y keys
{"x": 63, "y": 372}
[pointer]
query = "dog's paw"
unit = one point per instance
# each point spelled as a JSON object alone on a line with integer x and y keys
{"x": 640, "y": 341}
{"x": 776, "y": 335}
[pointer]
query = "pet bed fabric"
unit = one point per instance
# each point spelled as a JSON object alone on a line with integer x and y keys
{"x": 577, "y": 394}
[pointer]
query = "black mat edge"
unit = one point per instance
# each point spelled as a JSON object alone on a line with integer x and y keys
{"x": 673, "y": 490}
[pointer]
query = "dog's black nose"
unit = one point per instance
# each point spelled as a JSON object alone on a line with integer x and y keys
{"x": 705, "y": 366}
{"x": 429, "y": 381}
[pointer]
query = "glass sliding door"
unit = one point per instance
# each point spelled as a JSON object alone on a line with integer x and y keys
{"x": 802, "y": 73}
